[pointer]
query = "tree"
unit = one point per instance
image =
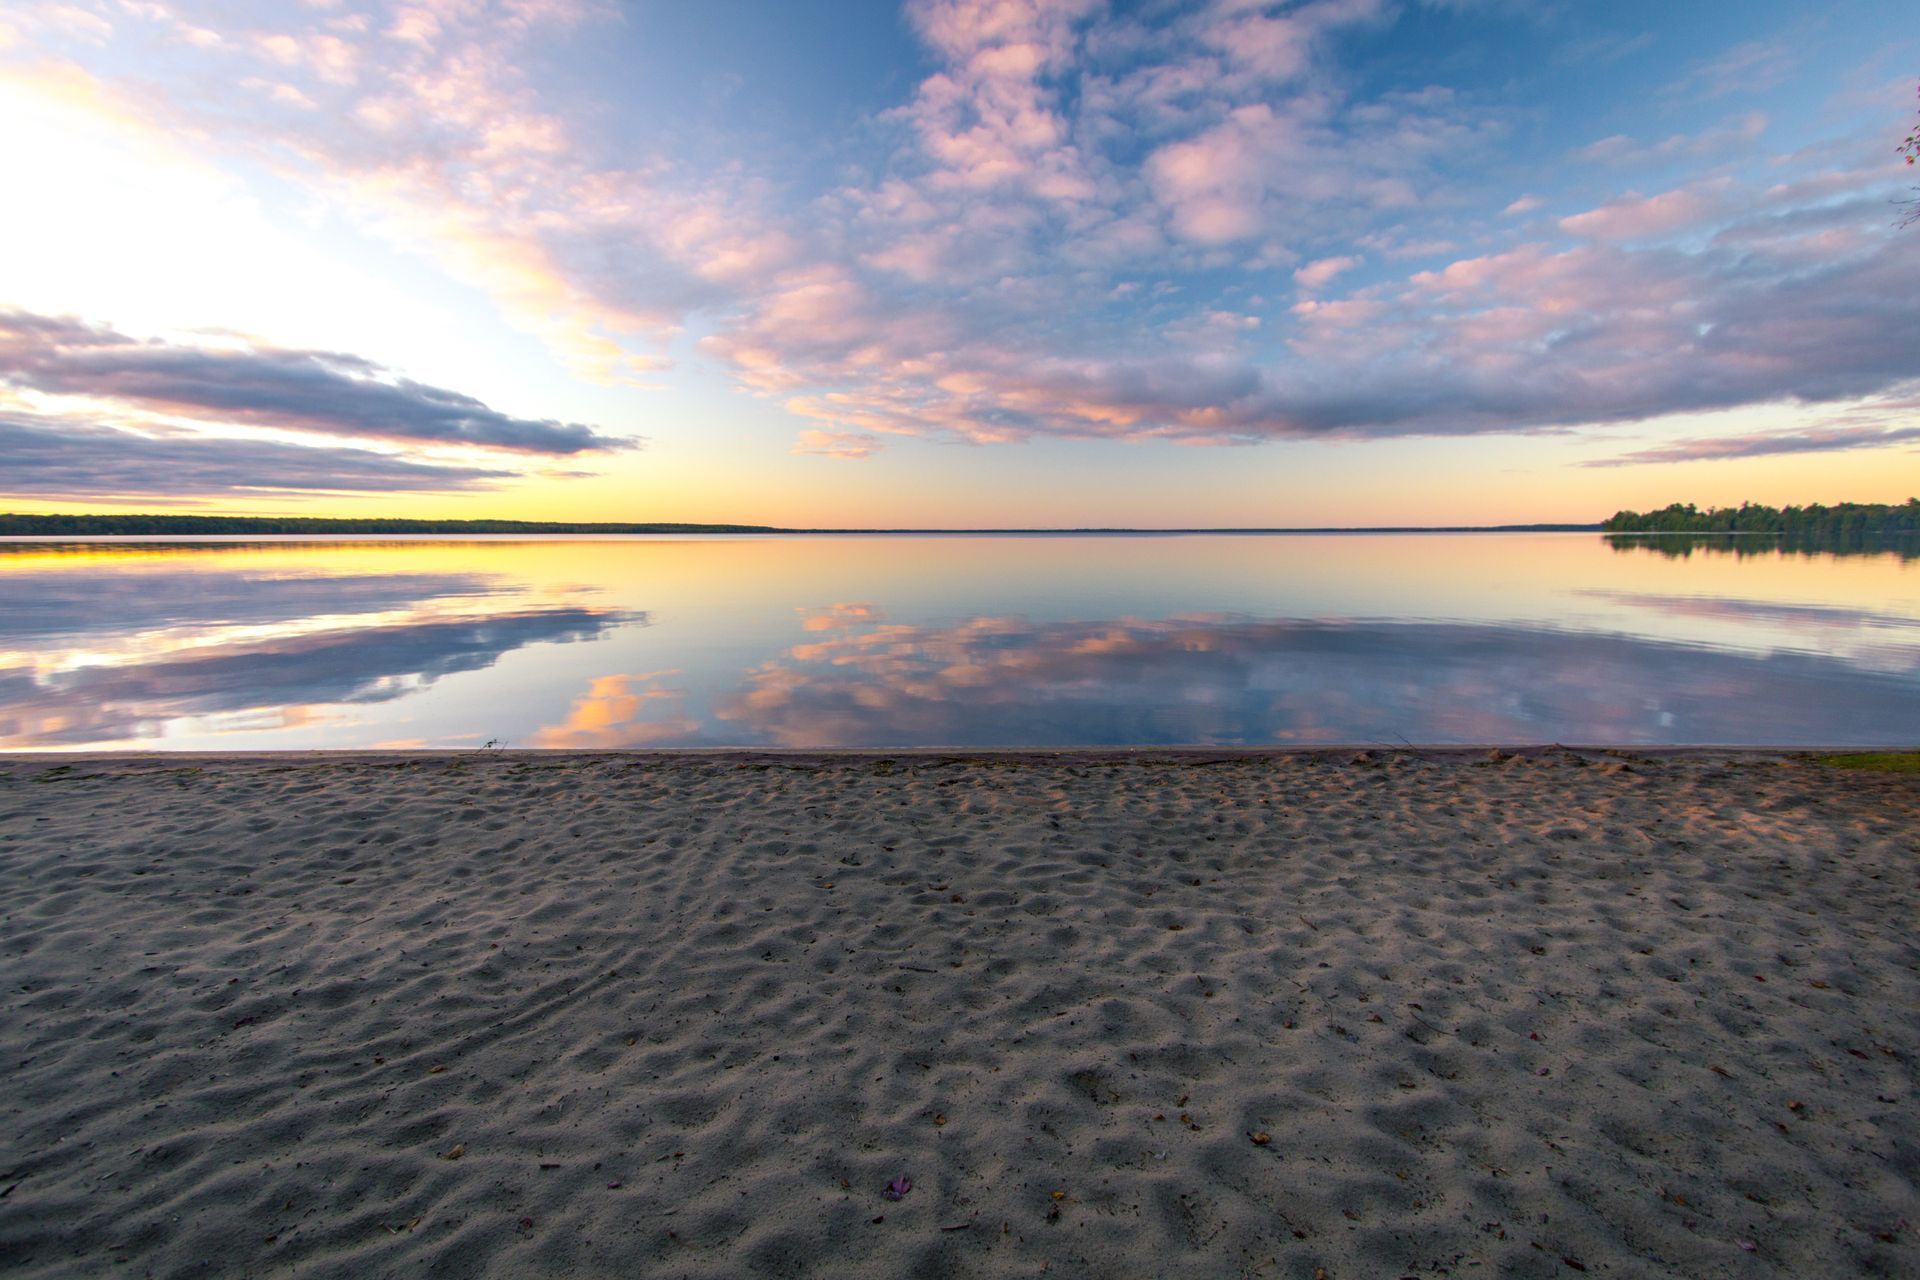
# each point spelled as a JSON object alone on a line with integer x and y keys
{"x": 1846, "y": 520}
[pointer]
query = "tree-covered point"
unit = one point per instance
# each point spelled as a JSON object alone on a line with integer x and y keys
{"x": 1842, "y": 520}
{"x": 109, "y": 525}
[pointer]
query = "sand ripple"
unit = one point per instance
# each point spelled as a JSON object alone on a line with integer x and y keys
{"x": 1383, "y": 1014}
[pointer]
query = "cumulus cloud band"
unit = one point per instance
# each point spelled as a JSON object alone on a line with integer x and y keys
{"x": 323, "y": 392}
{"x": 59, "y": 458}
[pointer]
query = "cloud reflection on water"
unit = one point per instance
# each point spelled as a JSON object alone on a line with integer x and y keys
{"x": 118, "y": 652}
{"x": 118, "y": 599}
{"x": 1775, "y": 613}
{"x": 281, "y": 682}
{"x": 1219, "y": 680}
{"x": 297, "y": 645}
{"x": 624, "y": 711}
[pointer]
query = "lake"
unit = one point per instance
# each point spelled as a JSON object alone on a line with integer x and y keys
{"x": 961, "y": 641}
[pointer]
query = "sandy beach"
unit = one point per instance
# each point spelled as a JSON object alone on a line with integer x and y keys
{"x": 1369, "y": 1014}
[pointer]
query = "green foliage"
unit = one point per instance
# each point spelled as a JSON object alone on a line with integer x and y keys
{"x": 64, "y": 526}
{"x": 1841, "y": 521}
{"x": 1875, "y": 761}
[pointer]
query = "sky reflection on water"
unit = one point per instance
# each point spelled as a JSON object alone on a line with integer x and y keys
{"x": 968, "y": 641}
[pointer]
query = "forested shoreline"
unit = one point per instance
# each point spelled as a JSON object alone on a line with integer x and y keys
{"x": 1842, "y": 520}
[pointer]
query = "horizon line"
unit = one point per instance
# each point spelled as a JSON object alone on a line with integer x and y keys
{"x": 54, "y": 524}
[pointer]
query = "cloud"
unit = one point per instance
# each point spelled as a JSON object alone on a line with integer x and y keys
{"x": 949, "y": 323}
{"x": 1747, "y": 67}
{"x": 1763, "y": 444}
{"x": 1052, "y": 212}
{"x": 838, "y": 444}
{"x": 426, "y": 131}
{"x": 1636, "y": 217}
{"x": 1721, "y": 142}
{"x": 1532, "y": 338}
{"x": 56, "y": 458}
{"x": 989, "y": 119}
{"x": 309, "y": 391}
{"x": 1316, "y": 275}
{"x": 1215, "y": 186}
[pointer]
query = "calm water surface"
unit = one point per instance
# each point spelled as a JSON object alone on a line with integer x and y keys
{"x": 951, "y": 641}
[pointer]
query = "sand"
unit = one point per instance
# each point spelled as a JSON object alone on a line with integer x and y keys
{"x": 1375, "y": 1015}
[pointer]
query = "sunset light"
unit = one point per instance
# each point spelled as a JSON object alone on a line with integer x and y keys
{"x": 963, "y": 264}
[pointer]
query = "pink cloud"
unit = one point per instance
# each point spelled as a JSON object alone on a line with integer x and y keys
{"x": 1717, "y": 143}
{"x": 1749, "y": 65}
{"x": 1766, "y": 443}
{"x": 1640, "y": 217}
{"x": 425, "y": 130}
{"x": 1274, "y": 48}
{"x": 1036, "y": 252}
{"x": 988, "y": 119}
{"x": 1214, "y": 185}
{"x": 838, "y": 444}
{"x": 1315, "y": 275}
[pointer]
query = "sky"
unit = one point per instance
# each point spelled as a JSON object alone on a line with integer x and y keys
{"x": 956, "y": 263}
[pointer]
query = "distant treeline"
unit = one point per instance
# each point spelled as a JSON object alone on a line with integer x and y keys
{"x": 1844, "y": 520}
{"x": 101, "y": 526}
